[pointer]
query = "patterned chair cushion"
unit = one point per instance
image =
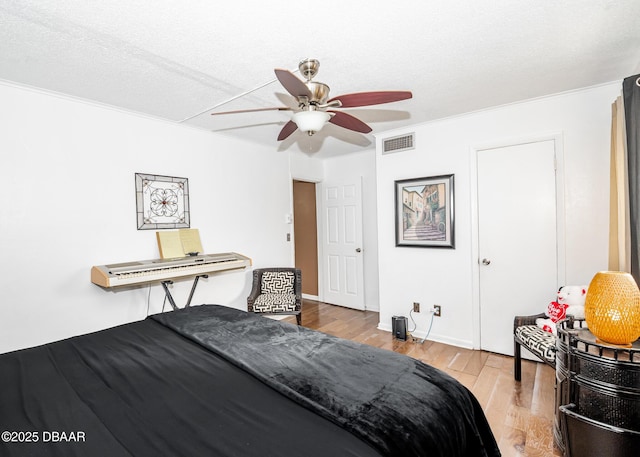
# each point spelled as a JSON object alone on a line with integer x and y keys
{"x": 275, "y": 303}
{"x": 277, "y": 282}
{"x": 539, "y": 342}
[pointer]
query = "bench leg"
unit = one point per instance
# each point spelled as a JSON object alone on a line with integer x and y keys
{"x": 517, "y": 362}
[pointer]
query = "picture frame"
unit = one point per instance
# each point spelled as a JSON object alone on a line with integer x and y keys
{"x": 162, "y": 202}
{"x": 424, "y": 212}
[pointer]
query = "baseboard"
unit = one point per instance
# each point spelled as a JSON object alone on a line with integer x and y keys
{"x": 467, "y": 344}
{"x": 310, "y": 297}
{"x": 384, "y": 327}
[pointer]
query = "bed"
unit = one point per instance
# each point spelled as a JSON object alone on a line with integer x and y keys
{"x": 215, "y": 381}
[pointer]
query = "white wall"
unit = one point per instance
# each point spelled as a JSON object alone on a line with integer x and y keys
{"x": 305, "y": 168}
{"x": 67, "y": 173}
{"x": 363, "y": 164}
{"x": 446, "y": 276}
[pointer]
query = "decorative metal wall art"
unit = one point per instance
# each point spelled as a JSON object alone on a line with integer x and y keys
{"x": 162, "y": 202}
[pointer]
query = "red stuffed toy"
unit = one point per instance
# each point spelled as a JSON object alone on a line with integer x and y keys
{"x": 556, "y": 312}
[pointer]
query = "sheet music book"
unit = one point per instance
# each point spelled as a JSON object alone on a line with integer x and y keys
{"x": 178, "y": 243}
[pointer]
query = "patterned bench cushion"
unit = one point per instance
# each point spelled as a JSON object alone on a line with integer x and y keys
{"x": 274, "y": 303}
{"x": 277, "y": 282}
{"x": 540, "y": 343}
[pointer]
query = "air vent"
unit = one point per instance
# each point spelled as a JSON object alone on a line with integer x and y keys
{"x": 398, "y": 143}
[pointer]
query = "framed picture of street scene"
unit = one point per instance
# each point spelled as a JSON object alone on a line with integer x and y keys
{"x": 424, "y": 212}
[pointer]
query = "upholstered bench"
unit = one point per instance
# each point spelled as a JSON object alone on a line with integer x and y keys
{"x": 540, "y": 343}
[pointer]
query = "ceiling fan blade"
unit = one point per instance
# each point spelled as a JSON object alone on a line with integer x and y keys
{"x": 287, "y": 130}
{"x": 277, "y": 108}
{"x": 348, "y": 122}
{"x": 294, "y": 86}
{"x": 371, "y": 98}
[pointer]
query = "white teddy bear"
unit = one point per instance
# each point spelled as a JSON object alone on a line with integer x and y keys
{"x": 573, "y": 296}
{"x": 570, "y": 302}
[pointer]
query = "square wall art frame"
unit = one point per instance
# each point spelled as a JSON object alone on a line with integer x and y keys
{"x": 162, "y": 202}
{"x": 424, "y": 213}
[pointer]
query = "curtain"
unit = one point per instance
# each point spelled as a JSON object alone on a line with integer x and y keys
{"x": 631, "y": 95}
{"x": 619, "y": 230}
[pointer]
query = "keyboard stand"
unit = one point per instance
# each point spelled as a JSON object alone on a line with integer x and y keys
{"x": 170, "y": 297}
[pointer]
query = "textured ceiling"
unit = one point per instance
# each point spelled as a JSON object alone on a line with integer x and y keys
{"x": 174, "y": 59}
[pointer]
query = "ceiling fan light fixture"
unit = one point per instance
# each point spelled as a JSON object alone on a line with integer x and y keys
{"x": 314, "y": 106}
{"x": 311, "y": 121}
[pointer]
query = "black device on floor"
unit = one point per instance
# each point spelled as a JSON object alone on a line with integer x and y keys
{"x": 399, "y": 324}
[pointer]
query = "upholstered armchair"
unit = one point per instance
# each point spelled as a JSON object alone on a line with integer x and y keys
{"x": 276, "y": 291}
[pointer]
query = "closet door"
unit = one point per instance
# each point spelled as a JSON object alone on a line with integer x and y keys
{"x": 517, "y": 232}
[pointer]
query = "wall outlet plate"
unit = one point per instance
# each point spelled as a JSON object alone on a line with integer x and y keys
{"x": 416, "y": 307}
{"x": 437, "y": 310}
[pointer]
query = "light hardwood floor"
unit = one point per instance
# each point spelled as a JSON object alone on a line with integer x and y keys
{"x": 520, "y": 413}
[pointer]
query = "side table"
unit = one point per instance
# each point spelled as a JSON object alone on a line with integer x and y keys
{"x": 597, "y": 396}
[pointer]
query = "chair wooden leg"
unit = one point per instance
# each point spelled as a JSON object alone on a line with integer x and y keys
{"x": 299, "y": 318}
{"x": 517, "y": 362}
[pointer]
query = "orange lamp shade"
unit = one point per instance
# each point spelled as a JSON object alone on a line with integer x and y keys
{"x": 612, "y": 307}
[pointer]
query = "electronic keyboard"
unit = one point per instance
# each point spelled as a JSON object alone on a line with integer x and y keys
{"x": 158, "y": 270}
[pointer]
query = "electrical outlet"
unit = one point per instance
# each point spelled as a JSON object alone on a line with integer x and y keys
{"x": 416, "y": 307}
{"x": 437, "y": 310}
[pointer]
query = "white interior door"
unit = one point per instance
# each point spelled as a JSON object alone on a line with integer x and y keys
{"x": 342, "y": 257}
{"x": 517, "y": 232}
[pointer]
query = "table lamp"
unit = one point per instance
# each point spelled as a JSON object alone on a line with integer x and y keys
{"x": 612, "y": 308}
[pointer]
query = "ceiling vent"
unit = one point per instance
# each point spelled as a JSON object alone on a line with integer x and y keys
{"x": 398, "y": 143}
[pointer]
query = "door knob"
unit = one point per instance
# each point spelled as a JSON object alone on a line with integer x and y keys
{"x": 358, "y": 250}
{"x": 486, "y": 261}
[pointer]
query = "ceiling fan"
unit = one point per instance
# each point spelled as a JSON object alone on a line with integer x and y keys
{"x": 315, "y": 108}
